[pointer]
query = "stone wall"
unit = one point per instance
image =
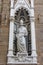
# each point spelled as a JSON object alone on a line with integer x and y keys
{"x": 39, "y": 29}
{"x": 4, "y": 30}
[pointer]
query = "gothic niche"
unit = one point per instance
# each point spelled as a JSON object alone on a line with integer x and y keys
{"x": 23, "y": 15}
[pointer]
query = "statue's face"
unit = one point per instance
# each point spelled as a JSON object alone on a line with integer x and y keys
{"x": 21, "y": 22}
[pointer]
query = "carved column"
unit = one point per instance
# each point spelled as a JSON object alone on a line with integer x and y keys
{"x": 33, "y": 40}
{"x": 10, "y": 49}
{"x": 33, "y": 37}
{"x": 10, "y": 53}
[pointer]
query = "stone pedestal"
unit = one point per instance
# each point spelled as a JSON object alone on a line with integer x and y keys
{"x": 21, "y": 58}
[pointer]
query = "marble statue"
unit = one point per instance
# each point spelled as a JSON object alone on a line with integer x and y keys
{"x": 21, "y": 41}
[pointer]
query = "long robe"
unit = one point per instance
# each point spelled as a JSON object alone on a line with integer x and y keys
{"x": 21, "y": 41}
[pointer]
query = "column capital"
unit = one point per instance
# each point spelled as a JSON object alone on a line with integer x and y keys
{"x": 12, "y": 18}
{"x": 32, "y": 19}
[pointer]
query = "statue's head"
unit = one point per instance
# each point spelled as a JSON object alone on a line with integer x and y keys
{"x": 21, "y": 22}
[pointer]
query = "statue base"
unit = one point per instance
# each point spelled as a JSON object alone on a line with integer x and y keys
{"x": 22, "y": 58}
